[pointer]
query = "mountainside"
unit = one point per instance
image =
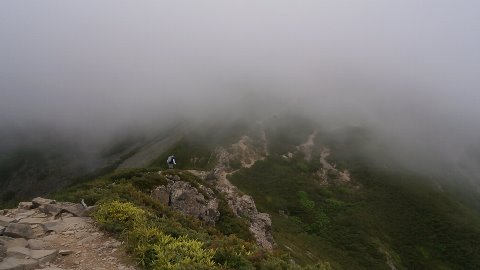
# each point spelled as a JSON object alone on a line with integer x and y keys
{"x": 282, "y": 193}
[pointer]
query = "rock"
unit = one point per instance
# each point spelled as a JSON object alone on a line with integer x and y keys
{"x": 38, "y": 230}
{"x": 75, "y": 209}
{"x": 22, "y": 213}
{"x": 16, "y": 242}
{"x": 19, "y": 231}
{"x": 37, "y": 202}
{"x": 40, "y": 215}
{"x": 3, "y": 251}
{"x": 18, "y": 264}
{"x": 25, "y": 205}
{"x": 50, "y": 209}
{"x": 2, "y": 230}
{"x": 44, "y": 256}
{"x": 189, "y": 200}
{"x": 36, "y": 244}
{"x": 75, "y": 223}
{"x": 32, "y": 221}
{"x": 19, "y": 252}
{"x": 242, "y": 205}
{"x": 261, "y": 227}
{"x": 162, "y": 195}
{"x": 5, "y": 221}
{"x": 65, "y": 252}
{"x": 54, "y": 226}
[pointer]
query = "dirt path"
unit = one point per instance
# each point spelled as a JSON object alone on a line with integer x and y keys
{"x": 90, "y": 248}
{"x": 344, "y": 175}
{"x": 307, "y": 147}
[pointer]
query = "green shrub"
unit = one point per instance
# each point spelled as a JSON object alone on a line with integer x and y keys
{"x": 305, "y": 201}
{"x": 118, "y": 216}
{"x": 151, "y": 247}
{"x": 157, "y": 250}
{"x": 232, "y": 252}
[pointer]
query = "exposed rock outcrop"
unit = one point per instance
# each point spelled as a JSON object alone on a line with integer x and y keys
{"x": 199, "y": 202}
{"x": 243, "y": 205}
{"x": 19, "y": 231}
{"x": 328, "y": 170}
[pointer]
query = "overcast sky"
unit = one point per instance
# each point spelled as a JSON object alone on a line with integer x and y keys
{"x": 410, "y": 68}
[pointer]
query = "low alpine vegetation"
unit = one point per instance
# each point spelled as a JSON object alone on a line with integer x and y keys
{"x": 160, "y": 238}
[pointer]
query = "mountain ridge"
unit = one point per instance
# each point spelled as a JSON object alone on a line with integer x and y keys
{"x": 326, "y": 201}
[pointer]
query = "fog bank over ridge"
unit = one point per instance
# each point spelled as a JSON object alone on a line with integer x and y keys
{"x": 409, "y": 69}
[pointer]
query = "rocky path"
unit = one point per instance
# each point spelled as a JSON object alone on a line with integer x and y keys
{"x": 344, "y": 176}
{"x": 44, "y": 234}
{"x": 307, "y": 147}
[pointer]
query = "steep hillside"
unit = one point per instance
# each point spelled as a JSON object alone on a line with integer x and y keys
{"x": 36, "y": 170}
{"x": 329, "y": 201}
{"x": 282, "y": 193}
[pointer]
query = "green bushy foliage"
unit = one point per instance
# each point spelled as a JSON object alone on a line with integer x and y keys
{"x": 151, "y": 247}
{"x": 118, "y": 216}
{"x": 233, "y": 253}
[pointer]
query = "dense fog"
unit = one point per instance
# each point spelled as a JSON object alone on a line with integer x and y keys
{"x": 86, "y": 70}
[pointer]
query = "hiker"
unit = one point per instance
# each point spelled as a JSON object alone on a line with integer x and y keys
{"x": 171, "y": 161}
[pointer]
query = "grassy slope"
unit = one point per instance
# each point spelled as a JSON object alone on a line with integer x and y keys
{"x": 394, "y": 211}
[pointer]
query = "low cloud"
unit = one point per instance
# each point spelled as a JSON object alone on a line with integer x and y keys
{"x": 89, "y": 69}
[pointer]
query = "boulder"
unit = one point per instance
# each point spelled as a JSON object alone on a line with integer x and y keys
{"x": 44, "y": 256}
{"x": 41, "y": 255}
{"x": 22, "y": 213}
{"x": 3, "y": 251}
{"x": 37, "y": 202}
{"x": 36, "y": 244}
{"x": 50, "y": 209}
{"x": 18, "y": 264}
{"x": 25, "y": 205}
{"x": 54, "y": 226}
{"x": 75, "y": 209}
{"x": 19, "y": 231}
{"x": 16, "y": 242}
{"x": 5, "y": 221}
{"x": 32, "y": 220}
{"x": 19, "y": 252}
{"x": 65, "y": 252}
